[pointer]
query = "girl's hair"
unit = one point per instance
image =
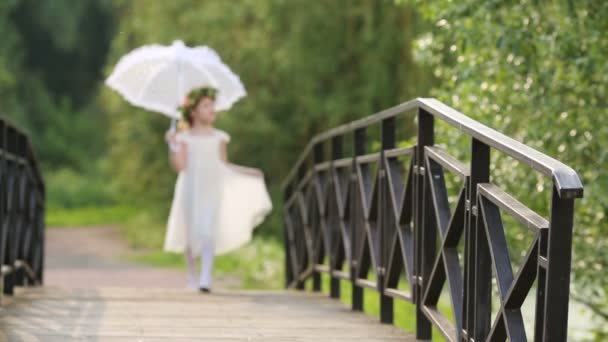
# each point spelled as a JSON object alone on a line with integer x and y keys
{"x": 192, "y": 100}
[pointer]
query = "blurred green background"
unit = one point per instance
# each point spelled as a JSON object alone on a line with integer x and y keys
{"x": 534, "y": 70}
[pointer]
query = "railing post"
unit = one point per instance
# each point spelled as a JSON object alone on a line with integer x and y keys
{"x": 3, "y": 195}
{"x": 19, "y": 206}
{"x": 424, "y": 250}
{"x": 300, "y": 284}
{"x": 388, "y": 141}
{"x": 360, "y": 140}
{"x": 33, "y": 230}
{"x": 41, "y": 239}
{"x": 559, "y": 257}
{"x": 288, "y": 269}
{"x": 316, "y": 275}
{"x": 480, "y": 287}
{"x": 541, "y": 283}
{"x": 334, "y": 286}
{"x": 468, "y": 296}
{"x": 8, "y": 219}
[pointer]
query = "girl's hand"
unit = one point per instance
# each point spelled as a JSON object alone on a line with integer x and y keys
{"x": 171, "y": 137}
{"x": 247, "y": 170}
{"x": 257, "y": 173}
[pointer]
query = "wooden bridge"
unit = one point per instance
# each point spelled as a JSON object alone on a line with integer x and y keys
{"x": 359, "y": 208}
{"x": 116, "y": 314}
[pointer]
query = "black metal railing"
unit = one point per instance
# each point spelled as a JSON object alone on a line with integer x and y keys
{"x": 22, "y": 211}
{"x": 388, "y": 213}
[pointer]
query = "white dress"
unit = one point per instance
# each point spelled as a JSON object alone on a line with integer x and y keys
{"x": 213, "y": 202}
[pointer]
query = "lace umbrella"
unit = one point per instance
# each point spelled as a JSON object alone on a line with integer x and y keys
{"x": 158, "y": 78}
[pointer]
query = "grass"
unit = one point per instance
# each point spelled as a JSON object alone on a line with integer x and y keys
{"x": 88, "y": 216}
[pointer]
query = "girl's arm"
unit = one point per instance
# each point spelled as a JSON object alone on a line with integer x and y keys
{"x": 177, "y": 152}
{"x": 178, "y": 158}
{"x": 245, "y": 170}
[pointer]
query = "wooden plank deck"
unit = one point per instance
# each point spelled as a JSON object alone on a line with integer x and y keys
{"x": 123, "y": 314}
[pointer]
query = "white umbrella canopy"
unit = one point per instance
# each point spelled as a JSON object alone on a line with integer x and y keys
{"x": 158, "y": 78}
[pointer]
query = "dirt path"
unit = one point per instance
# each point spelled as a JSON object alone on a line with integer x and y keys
{"x": 95, "y": 257}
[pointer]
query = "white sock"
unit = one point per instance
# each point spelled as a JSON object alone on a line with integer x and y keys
{"x": 191, "y": 280}
{"x": 207, "y": 256}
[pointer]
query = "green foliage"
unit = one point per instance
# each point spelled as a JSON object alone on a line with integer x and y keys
{"x": 50, "y": 65}
{"x": 68, "y": 189}
{"x": 10, "y": 56}
{"x": 65, "y": 43}
{"x": 144, "y": 229}
{"x": 58, "y": 217}
{"x": 332, "y": 62}
{"x": 536, "y": 71}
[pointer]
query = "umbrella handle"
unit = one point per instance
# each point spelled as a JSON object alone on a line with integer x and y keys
{"x": 172, "y": 128}
{"x": 173, "y": 124}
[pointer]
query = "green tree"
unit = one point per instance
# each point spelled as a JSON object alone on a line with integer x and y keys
{"x": 51, "y": 59}
{"x": 10, "y": 56}
{"x": 306, "y": 65}
{"x": 536, "y": 71}
{"x": 50, "y": 66}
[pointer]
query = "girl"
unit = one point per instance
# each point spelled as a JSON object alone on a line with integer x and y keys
{"x": 216, "y": 204}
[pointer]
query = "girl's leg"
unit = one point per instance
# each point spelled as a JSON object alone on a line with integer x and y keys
{"x": 191, "y": 261}
{"x": 207, "y": 256}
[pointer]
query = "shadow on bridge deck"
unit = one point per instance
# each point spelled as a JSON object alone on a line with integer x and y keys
{"x": 122, "y": 314}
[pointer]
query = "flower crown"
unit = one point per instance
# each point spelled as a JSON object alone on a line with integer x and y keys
{"x": 191, "y": 100}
